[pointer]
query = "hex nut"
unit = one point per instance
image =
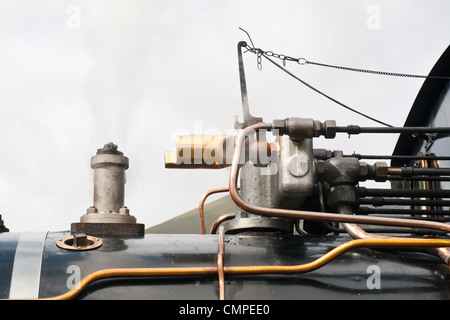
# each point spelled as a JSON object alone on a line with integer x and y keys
{"x": 278, "y": 127}
{"x": 330, "y": 129}
{"x": 124, "y": 211}
{"x": 363, "y": 170}
{"x": 381, "y": 170}
{"x": 91, "y": 209}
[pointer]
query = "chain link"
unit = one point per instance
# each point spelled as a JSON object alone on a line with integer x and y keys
{"x": 259, "y": 53}
{"x": 302, "y": 61}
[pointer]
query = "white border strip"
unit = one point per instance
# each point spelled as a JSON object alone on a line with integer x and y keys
{"x": 26, "y": 273}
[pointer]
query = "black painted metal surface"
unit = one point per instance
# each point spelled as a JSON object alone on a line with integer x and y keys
{"x": 430, "y": 109}
{"x": 402, "y": 275}
{"x": 8, "y": 244}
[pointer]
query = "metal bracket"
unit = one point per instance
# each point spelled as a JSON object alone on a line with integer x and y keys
{"x": 248, "y": 118}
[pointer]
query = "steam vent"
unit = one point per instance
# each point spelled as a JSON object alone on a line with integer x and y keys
{"x": 109, "y": 216}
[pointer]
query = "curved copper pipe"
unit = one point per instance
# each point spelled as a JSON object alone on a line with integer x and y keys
{"x": 444, "y": 254}
{"x": 318, "y": 216}
{"x": 132, "y": 273}
{"x": 249, "y": 270}
{"x": 352, "y": 244}
{"x": 201, "y": 206}
{"x": 219, "y": 220}
{"x": 356, "y": 232}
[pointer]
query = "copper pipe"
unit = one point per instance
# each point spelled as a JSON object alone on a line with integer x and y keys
{"x": 201, "y": 206}
{"x": 219, "y": 220}
{"x": 329, "y": 256}
{"x": 444, "y": 254}
{"x": 220, "y": 263}
{"x": 357, "y": 232}
{"x": 406, "y": 171}
{"x": 250, "y": 270}
{"x": 318, "y": 216}
{"x": 132, "y": 273}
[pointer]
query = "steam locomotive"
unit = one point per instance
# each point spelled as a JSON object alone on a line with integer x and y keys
{"x": 305, "y": 229}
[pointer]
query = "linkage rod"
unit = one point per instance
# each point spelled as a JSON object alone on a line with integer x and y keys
{"x": 412, "y": 171}
{"x": 367, "y": 192}
{"x": 418, "y": 178}
{"x": 365, "y": 210}
{"x": 355, "y": 129}
{"x": 396, "y": 157}
{"x": 380, "y": 201}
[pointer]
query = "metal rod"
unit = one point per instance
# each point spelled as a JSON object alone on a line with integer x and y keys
{"x": 397, "y": 157}
{"x": 247, "y": 116}
{"x": 365, "y": 210}
{"x": 432, "y": 178}
{"x": 411, "y": 171}
{"x": 365, "y": 192}
{"x": 417, "y": 217}
{"x": 355, "y": 129}
{"x": 244, "y": 96}
{"x": 380, "y": 201}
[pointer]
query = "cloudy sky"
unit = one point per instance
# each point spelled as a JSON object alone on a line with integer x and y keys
{"x": 76, "y": 74}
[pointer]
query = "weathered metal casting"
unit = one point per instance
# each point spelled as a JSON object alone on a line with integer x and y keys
{"x": 109, "y": 215}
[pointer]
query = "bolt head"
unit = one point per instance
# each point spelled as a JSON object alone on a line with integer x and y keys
{"x": 91, "y": 209}
{"x": 124, "y": 211}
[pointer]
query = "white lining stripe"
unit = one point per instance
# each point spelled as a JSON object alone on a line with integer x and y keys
{"x": 26, "y": 273}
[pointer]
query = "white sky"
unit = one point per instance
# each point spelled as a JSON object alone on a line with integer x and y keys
{"x": 77, "y": 74}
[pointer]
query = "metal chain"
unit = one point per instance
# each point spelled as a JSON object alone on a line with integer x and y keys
{"x": 302, "y": 61}
{"x": 393, "y": 74}
{"x": 259, "y": 53}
